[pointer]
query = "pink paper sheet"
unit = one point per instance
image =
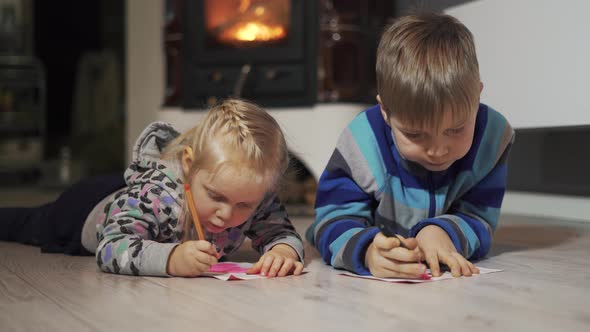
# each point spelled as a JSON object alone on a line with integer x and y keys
{"x": 231, "y": 271}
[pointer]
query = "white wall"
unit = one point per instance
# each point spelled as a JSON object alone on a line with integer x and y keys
{"x": 144, "y": 70}
{"x": 551, "y": 206}
{"x": 533, "y": 58}
{"x": 534, "y": 62}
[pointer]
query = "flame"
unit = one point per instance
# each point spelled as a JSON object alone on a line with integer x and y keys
{"x": 253, "y": 31}
{"x": 244, "y": 4}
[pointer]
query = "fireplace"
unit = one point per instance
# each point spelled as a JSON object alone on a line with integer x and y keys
{"x": 261, "y": 50}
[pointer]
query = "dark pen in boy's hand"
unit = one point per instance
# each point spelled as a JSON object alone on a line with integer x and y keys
{"x": 390, "y": 233}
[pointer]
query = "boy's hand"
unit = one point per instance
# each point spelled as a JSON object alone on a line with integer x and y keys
{"x": 386, "y": 258}
{"x": 191, "y": 259}
{"x": 280, "y": 261}
{"x": 438, "y": 247}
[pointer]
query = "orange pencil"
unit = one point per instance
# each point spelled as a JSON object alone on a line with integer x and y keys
{"x": 191, "y": 206}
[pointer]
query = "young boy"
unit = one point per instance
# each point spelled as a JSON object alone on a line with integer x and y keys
{"x": 421, "y": 175}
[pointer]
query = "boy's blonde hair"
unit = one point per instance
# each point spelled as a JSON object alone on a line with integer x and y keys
{"x": 427, "y": 65}
{"x": 236, "y": 135}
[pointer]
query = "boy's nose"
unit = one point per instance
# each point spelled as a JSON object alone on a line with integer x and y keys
{"x": 437, "y": 151}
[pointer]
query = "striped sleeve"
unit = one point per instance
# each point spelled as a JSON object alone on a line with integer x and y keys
{"x": 473, "y": 218}
{"x": 344, "y": 226}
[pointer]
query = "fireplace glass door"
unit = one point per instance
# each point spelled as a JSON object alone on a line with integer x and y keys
{"x": 261, "y": 50}
{"x": 247, "y": 23}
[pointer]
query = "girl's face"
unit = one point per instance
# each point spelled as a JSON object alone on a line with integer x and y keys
{"x": 227, "y": 199}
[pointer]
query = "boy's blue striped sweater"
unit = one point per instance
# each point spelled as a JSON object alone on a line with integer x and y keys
{"x": 367, "y": 185}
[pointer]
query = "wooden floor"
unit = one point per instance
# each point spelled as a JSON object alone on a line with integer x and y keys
{"x": 545, "y": 287}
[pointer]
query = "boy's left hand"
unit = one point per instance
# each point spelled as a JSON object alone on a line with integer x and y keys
{"x": 280, "y": 261}
{"x": 437, "y": 247}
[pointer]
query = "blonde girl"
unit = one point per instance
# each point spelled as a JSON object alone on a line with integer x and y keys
{"x": 233, "y": 160}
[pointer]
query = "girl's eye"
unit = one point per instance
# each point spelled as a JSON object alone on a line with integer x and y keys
{"x": 214, "y": 196}
{"x": 244, "y": 206}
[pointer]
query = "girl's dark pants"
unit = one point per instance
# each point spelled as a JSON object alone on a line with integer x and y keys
{"x": 56, "y": 227}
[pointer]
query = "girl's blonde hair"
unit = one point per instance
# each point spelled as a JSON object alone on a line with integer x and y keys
{"x": 426, "y": 66}
{"x": 238, "y": 135}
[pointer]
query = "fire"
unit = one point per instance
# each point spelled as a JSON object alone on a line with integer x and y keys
{"x": 250, "y": 21}
{"x": 253, "y": 31}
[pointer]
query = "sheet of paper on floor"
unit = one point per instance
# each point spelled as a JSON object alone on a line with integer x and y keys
{"x": 446, "y": 275}
{"x": 231, "y": 271}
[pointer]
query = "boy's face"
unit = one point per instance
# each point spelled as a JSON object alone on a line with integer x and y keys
{"x": 436, "y": 149}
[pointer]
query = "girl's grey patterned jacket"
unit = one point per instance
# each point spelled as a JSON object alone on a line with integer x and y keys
{"x": 143, "y": 222}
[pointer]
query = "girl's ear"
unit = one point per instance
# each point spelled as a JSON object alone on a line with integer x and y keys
{"x": 187, "y": 160}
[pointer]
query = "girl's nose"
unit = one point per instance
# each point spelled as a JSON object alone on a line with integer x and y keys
{"x": 224, "y": 212}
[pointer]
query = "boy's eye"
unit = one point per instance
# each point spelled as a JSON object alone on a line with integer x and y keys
{"x": 413, "y": 135}
{"x": 456, "y": 131}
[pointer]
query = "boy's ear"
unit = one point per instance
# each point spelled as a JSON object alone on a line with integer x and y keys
{"x": 480, "y": 87}
{"x": 383, "y": 113}
{"x": 379, "y": 100}
{"x": 187, "y": 160}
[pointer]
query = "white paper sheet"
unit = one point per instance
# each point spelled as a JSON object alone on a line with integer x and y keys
{"x": 446, "y": 275}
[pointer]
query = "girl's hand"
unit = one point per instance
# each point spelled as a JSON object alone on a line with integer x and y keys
{"x": 191, "y": 259}
{"x": 386, "y": 257}
{"x": 438, "y": 247}
{"x": 280, "y": 261}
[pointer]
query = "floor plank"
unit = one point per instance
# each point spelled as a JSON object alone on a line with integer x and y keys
{"x": 24, "y": 308}
{"x": 545, "y": 287}
{"x": 105, "y": 301}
